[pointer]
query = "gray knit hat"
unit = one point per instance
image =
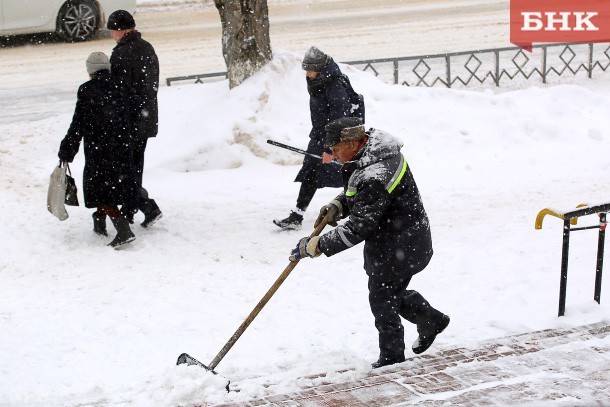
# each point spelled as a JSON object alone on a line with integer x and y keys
{"x": 314, "y": 60}
{"x": 96, "y": 62}
{"x": 343, "y": 129}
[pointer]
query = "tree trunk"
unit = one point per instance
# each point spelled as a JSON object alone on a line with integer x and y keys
{"x": 246, "y": 45}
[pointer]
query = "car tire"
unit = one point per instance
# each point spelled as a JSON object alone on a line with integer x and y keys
{"x": 78, "y": 20}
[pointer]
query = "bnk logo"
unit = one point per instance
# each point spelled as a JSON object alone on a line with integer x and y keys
{"x": 553, "y": 21}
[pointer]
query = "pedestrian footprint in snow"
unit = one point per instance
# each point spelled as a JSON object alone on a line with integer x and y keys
{"x": 330, "y": 97}
{"x": 384, "y": 209}
{"x": 101, "y": 120}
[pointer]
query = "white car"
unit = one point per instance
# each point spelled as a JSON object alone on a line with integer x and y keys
{"x": 72, "y": 20}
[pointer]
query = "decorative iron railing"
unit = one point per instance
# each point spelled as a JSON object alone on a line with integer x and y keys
{"x": 547, "y": 63}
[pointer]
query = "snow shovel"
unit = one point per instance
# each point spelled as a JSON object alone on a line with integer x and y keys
{"x": 189, "y": 360}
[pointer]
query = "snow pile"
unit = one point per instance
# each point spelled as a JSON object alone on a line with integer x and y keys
{"x": 81, "y": 324}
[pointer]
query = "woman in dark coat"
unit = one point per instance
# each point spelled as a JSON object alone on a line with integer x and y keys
{"x": 101, "y": 119}
{"x": 328, "y": 100}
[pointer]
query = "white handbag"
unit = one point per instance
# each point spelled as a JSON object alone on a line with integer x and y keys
{"x": 56, "y": 196}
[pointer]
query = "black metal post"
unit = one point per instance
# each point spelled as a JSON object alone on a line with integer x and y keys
{"x": 563, "y": 283}
{"x": 448, "y": 67}
{"x": 600, "y": 257}
{"x": 395, "y": 72}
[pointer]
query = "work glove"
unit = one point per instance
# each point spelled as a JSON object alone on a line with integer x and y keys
{"x": 305, "y": 248}
{"x": 334, "y": 210}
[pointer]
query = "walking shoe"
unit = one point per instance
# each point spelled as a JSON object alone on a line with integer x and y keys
{"x": 293, "y": 221}
{"x": 152, "y": 213}
{"x": 99, "y": 223}
{"x": 424, "y": 341}
{"x": 387, "y": 361}
{"x": 151, "y": 218}
{"x": 128, "y": 213}
{"x": 124, "y": 234}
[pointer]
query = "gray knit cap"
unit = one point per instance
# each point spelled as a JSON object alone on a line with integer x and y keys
{"x": 314, "y": 60}
{"x": 96, "y": 62}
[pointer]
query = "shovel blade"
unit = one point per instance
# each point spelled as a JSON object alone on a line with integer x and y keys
{"x": 187, "y": 359}
{"x": 190, "y": 361}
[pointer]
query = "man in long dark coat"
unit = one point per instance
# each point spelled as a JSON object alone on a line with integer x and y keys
{"x": 101, "y": 120}
{"x": 135, "y": 63}
{"x": 385, "y": 211}
{"x": 328, "y": 100}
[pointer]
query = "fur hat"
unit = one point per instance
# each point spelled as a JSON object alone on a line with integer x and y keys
{"x": 120, "y": 20}
{"x": 343, "y": 129}
{"x": 314, "y": 60}
{"x": 97, "y": 61}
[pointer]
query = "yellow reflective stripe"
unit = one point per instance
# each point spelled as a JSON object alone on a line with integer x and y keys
{"x": 351, "y": 192}
{"x": 402, "y": 173}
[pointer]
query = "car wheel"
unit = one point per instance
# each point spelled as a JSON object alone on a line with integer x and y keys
{"x": 78, "y": 20}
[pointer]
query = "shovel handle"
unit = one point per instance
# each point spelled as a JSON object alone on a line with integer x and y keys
{"x": 262, "y": 302}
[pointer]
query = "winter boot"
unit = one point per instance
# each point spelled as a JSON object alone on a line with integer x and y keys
{"x": 99, "y": 223}
{"x": 425, "y": 339}
{"x": 128, "y": 213}
{"x": 293, "y": 221}
{"x": 383, "y": 361}
{"x": 391, "y": 348}
{"x": 124, "y": 234}
{"x": 152, "y": 213}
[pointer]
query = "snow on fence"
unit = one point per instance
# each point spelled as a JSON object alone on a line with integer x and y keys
{"x": 508, "y": 67}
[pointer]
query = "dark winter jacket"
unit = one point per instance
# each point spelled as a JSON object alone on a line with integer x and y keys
{"x": 135, "y": 62}
{"x": 328, "y": 101}
{"x": 101, "y": 119}
{"x": 385, "y": 211}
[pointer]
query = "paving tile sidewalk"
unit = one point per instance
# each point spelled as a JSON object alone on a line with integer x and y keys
{"x": 563, "y": 367}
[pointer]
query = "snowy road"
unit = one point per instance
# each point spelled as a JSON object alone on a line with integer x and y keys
{"x": 186, "y": 37}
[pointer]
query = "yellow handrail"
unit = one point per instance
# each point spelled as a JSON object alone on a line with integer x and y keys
{"x": 547, "y": 211}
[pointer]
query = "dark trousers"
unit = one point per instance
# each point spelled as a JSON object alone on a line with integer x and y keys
{"x": 390, "y": 300}
{"x": 307, "y": 190}
{"x": 143, "y": 202}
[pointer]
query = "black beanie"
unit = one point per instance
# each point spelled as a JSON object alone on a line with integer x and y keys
{"x": 120, "y": 20}
{"x": 343, "y": 129}
{"x": 314, "y": 60}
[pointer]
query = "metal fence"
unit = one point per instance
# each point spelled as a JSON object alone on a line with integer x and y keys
{"x": 511, "y": 66}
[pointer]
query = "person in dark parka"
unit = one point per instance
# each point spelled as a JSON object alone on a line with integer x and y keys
{"x": 328, "y": 100}
{"x": 135, "y": 63}
{"x": 385, "y": 210}
{"x": 101, "y": 120}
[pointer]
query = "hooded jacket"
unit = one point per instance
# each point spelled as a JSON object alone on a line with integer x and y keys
{"x": 328, "y": 101}
{"x": 385, "y": 211}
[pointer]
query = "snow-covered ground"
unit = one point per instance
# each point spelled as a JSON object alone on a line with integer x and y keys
{"x": 84, "y": 325}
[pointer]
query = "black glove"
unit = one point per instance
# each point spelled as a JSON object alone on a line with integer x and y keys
{"x": 305, "y": 248}
{"x": 334, "y": 210}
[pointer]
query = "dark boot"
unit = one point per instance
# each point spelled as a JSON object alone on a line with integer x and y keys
{"x": 391, "y": 348}
{"x": 124, "y": 234}
{"x": 293, "y": 221}
{"x": 99, "y": 223}
{"x": 152, "y": 213}
{"x": 128, "y": 212}
{"x": 383, "y": 361}
{"x": 427, "y": 336}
